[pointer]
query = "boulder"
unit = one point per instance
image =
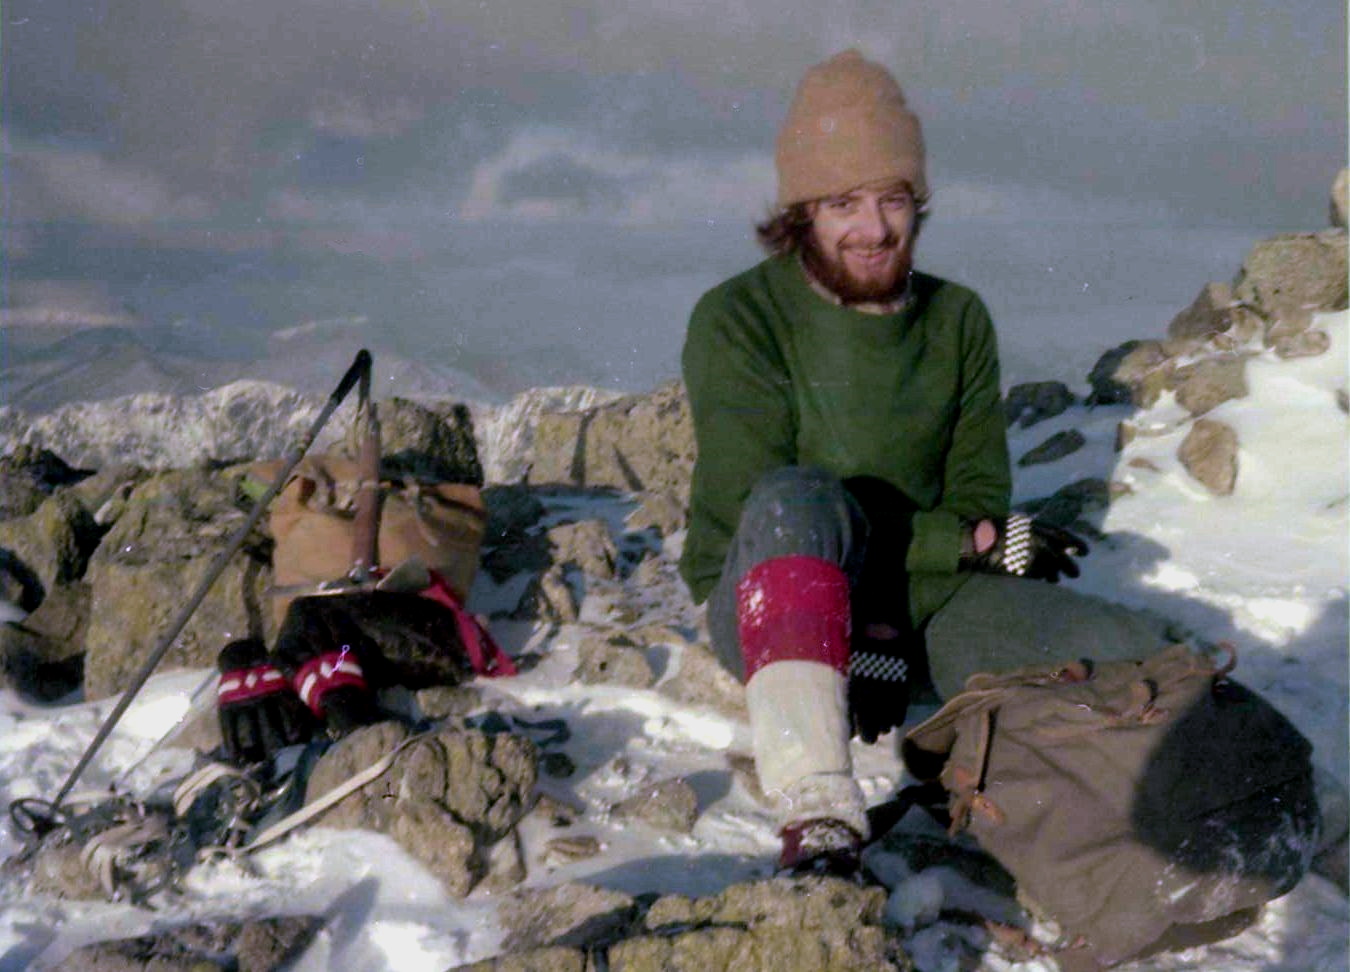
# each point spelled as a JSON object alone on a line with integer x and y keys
{"x": 658, "y": 511}
{"x": 639, "y": 443}
{"x": 28, "y": 476}
{"x": 43, "y": 659}
{"x": 243, "y": 419}
{"x": 587, "y": 546}
{"x": 449, "y": 797}
{"x": 1340, "y": 198}
{"x": 260, "y": 945}
{"x": 809, "y": 923}
{"x": 700, "y": 680}
{"x": 549, "y": 597}
{"x": 511, "y": 513}
{"x": 1067, "y": 505}
{"x": 1134, "y": 373}
{"x": 778, "y": 925}
{"x": 612, "y": 660}
{"x": 666, "y": 805}
{"x": 50, "y": 546}
{"x": 567, "y": 915}
{"x": 157, "y": 553}
{"x": 1307, "y": 342}
{"x": 423, "y": 443}
{"x": 107, "y": 491}
{"x": 1214, "y": 314}
{"x": 1208, "y": 383}
{"x": 1288, "y": 277}
{"x": 1031, "y": 402}
{"x": 1210, "y": 454}
{"x": 1056, "y": 447}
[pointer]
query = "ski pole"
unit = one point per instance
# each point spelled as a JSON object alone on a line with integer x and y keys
{"x": 360, "y": 368}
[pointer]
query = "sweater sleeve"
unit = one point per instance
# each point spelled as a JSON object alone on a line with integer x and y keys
{"x": 977, "y": 480}
{"x": 740, "y": 400}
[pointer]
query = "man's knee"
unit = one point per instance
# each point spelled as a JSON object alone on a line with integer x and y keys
{"x": 797, "y": 509}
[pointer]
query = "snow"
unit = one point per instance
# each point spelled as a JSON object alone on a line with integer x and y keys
{"x": 1265, "y": 568}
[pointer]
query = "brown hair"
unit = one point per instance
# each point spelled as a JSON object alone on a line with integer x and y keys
{"x": 787, "y": 227}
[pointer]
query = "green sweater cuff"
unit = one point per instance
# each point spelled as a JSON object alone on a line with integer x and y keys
{"x": 936, "y": 547}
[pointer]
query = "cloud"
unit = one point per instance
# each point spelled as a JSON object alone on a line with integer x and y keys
{"x": 46, "y": 183}
{"x": 549, "y": 173}
{"x": 231, "y": 102}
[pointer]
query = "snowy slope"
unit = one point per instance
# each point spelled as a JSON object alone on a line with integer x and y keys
{"x": 1265, "y": 567}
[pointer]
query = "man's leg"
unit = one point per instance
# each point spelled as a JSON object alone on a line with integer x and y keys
{"x": 994, "y": 623}
{"x": 779, "y": 619}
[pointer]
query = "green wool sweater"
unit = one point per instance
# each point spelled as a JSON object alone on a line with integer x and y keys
{"x": 778, "y": 375}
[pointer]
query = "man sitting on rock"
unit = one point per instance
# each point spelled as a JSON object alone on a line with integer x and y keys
{"x": 850, "y": 501}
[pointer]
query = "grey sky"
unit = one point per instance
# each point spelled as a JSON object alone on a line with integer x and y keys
{"x": 181, "y": 109}
{"x": 523, "y": 192}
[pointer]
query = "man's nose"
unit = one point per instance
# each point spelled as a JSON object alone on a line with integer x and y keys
{"x": 872, "y": 227}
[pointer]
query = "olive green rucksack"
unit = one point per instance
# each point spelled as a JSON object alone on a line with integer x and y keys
{"x": 1139, "y": 805}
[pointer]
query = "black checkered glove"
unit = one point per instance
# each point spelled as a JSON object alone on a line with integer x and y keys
{"x": 1020, "y": 546}
{"x": 878, "y": 688}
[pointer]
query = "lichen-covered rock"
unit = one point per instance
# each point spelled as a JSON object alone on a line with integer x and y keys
{"x": 699, "y": 679}
{"x": 423, "y": 443}
{"x": 1288, "y": 277}
{"x": 43, "y": 660}
{"x": 639, "y": 443}
{"x": 557, "y": 958}
{"x": 52, "y": 545}
{"x": 448, "y": 798}
{"x": 1215, "y": 315}
{"x": 666, "y": 805}
{"x": 1210, "y": 454}
{"x": 107, "y": 491}
{"x": 156, "y": 554}
{"x": 443, "y": 845}
{"x": 613, "y": 660}
{"x": 28, "y": 476}
{"x": 1059, "y": 445}
{"x": 659, "y": 511}
{"x": 1306, "y": 343}
{"x": 575, "y": 915}
{"x": 779, "y": 924}
{"x": 1207, "y": 384}
{"x": 586, "y": 545}
{"x": 1134, "y": 373}
{"x": 262, "y": 945}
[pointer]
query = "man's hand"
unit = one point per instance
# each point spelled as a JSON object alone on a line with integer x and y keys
{"x": 878, "y": 684}
{"x": 1020, "y": 546}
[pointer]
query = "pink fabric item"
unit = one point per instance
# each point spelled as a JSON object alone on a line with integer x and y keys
{"x": 485, "y": 655}
{"x": 793, "y": 608}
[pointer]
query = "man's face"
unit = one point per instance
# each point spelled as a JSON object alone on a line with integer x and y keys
{"x": 861, "y": 244}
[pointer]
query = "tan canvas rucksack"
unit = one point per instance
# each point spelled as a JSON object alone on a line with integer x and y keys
{"x": 1139, "y": 805}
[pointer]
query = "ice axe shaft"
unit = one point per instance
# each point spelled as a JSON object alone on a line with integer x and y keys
{"x": 360, "y": 368}
{"x": 366, "y": 522}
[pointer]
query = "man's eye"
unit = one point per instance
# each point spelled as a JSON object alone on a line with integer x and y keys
{"x": 840, "y": 205}
{"x": 897, "y": 202}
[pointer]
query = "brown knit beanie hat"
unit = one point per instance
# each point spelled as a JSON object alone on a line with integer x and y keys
{"x": 848, "y": 126}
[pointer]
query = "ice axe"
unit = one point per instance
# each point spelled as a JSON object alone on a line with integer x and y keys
{"x": 40, "y": 822}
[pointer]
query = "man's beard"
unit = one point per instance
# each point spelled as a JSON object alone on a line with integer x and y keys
{"x": 831, "y": 273}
